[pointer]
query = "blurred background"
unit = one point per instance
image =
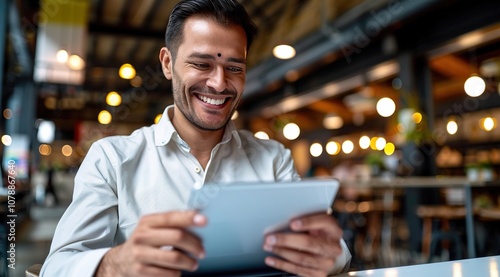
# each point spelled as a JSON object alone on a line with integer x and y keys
{"x": 358, "y": 90}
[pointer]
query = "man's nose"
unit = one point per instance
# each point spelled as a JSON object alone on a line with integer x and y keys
{"x": 217, "y": 80}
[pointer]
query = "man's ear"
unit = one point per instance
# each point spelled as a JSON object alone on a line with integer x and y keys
{"x": 166, "y": 62}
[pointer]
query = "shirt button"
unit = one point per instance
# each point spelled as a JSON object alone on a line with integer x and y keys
{"x": 197, "y": 169}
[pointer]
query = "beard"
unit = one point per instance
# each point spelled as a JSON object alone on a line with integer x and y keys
{"x": 182, "y": 101}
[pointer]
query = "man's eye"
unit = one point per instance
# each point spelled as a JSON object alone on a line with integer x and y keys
{"x": 201, "y": 65}
{"x": 235, "y": 69}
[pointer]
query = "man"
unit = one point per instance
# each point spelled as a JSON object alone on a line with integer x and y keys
{"x": 131, "y": 193}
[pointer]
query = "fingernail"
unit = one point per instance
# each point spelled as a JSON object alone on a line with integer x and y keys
{"x": 271, "y": 240}
{"x": 296, "y": 224}
{"x": 201, "y": 255}
{"x": 268, "y": 247}
{"x": 195, "y": 267}
{"x": 270, "y": 261}
{"x": 199, "y": 219}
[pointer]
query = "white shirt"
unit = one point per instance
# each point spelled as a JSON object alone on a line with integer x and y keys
{"x": 152, "y": 170}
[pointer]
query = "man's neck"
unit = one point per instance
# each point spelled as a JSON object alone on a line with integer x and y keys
{"x": 201, "y": 142}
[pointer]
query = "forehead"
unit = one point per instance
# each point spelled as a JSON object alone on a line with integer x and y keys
{"x": 205, "y": 35}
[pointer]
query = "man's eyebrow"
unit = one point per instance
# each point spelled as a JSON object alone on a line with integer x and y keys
{"x": 212, "y": 57}
{"x": 236, "y": 60}
{"x": 202, "y": 56}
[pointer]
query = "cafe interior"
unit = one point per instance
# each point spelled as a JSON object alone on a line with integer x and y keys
{"x": 397, "y": 99}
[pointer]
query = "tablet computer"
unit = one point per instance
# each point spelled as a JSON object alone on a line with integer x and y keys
{"x": 241, "y": 214}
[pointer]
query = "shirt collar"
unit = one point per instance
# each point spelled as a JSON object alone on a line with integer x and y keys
{"x": 164, "y": 130}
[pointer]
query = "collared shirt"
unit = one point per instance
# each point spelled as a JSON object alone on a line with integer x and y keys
{"x": 149, "y": 171}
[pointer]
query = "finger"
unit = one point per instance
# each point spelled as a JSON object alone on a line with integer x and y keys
{"x": 293, "y": 268}
{"x": 303, "y": 258}
{"x": 321, "y": 246}
{"x": 174, "y": 219}
{"x": 323, "y": 222}
{"x": 177, "y": 238}
{"x": 173, "y": 259}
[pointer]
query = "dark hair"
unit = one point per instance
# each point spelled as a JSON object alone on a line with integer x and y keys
{"x": 224, "y": 12}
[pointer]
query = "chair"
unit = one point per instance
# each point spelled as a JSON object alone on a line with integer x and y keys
{"x": 443, "y": 214}
{"x": 33, "y": 271}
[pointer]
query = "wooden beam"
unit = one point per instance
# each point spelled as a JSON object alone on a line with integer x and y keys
{"x": 326, "y": 107}
{"x": 452, "y": 66}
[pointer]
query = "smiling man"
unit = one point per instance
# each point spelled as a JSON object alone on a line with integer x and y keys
{"x": 131, "y": 192}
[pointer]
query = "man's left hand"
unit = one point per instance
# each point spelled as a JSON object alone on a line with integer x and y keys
{"x": 310, "y": 250}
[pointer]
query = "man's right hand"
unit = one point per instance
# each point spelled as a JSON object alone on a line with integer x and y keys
{"x": 142, "y": 253}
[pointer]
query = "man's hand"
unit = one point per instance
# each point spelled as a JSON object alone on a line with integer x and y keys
{"x": 310, "y": 250}
{"x": 159, "y": 246}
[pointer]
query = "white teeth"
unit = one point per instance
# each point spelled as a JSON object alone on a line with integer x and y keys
{"x": 212, "y": 101}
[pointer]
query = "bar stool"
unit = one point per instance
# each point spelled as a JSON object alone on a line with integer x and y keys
{"x": 491, "y": 218}
{"x": 443, "y": 214}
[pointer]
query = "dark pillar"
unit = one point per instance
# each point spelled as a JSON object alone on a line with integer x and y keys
{"x": 418, "y": 156}
{"x": 4, "y": 15}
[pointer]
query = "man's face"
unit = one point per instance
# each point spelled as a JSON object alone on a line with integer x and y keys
{"x": 208, "y": 74}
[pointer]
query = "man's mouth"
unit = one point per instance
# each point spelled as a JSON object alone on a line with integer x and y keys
{"x": 212, "y": 101}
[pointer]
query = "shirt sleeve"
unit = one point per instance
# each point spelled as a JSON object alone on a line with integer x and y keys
{"x": 286, "y": 170}
{"x": 343, "y": 261}
{"x": 87, "y": 229}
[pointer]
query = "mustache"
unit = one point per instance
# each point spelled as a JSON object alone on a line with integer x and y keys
{"x": 209, "y": 90}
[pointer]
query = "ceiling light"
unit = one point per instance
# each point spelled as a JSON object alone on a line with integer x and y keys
{"x": 416, "y": 117}
{"x": 127, "y": 71}
{"x": 364, "y": 142}
{"x": 316, "y": 149}
{"x": 474, "y": 86}
{"x": 380, "y": 143}
{"x": 44, "y": 149}
{"x": 452, "y": 127}
{"x": 62, "y": 56}
{"x": 104, "y": 117}
{"x": 6, "y": 140}
{"x": 46, "y": 131}
{"x": 373, "y": 143}
{"x": 284, "y": 52}
{"x": 488, "y": 123}
{"x": 389, "y": 148}
{"x": 113, "y": 99}
{"x": 347, "y": 146}
{"x": 333, "y": 148}
{"x": 291, "y": 131}
{"x": 67, "y": 150}
{"x": 7, "y": 113}
{"x": 386, "y": 107}
{"x": 332, "y": 121}
{"x": 75, "y": 62}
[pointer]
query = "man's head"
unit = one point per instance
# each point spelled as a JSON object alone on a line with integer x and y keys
{"x": 205, "y": 57}
{"x": 224, "y": 12}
